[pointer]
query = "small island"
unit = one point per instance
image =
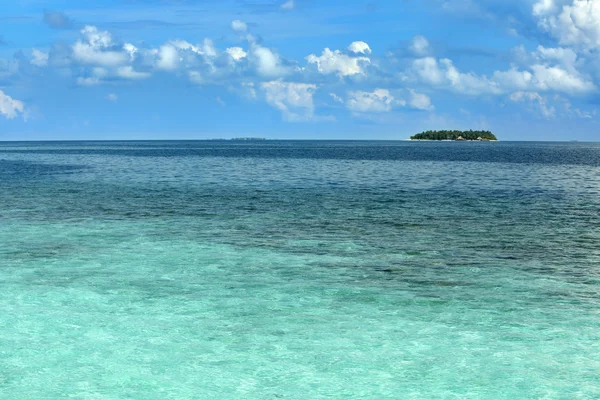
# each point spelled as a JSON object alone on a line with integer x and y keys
{"x": 455, "y": 135}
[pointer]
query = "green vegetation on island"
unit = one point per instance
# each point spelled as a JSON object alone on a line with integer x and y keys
{"x": 454, "y": 135}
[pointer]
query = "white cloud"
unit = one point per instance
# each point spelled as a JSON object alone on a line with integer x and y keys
{"x": 336, "y": 98}
{"x": 8, "y": 67}
{"x": 89, "y": 81}
{"x": 555, "y": 78}
{"x": 128, "y": 72}
{"x": 100, "y": 72}
{"x": 544, "y": 7}
{"x": 96, "y": 38}
{"x": 208, "y": 48}
{"x": 514, "y": 78}
{"x": 248, "y": 89}
{"x": 378, "y": 101}
{"x": 266, "y": 62}
{"x": 40, "y": 59}
{"x": 445, "y": 74}
{"x": 534, "y": 98}
{"x": 131, "y": 50}
{"x": 563, "y": 56}
{"x": 359, "y": 48}
{"x": 184, "y": 45}
{"x": 543, "y": 78}
{"x": 86, "y": 54}
{"x": 420, "y": 45}
{"x": 237, "y": 53}
{"x": 428, "y": 70}
{"x": 97, "y": 49}
{"x": 420, "y": 101}
{"x": 574, "y": 22}
{"x": 553, "y": 69}
{"x": 168, "y": 57}
{"x": 10, "y": 107}
{"x": 112, "y": 97}
{"x": 239, "y": 26}
{"x": 294, "y": 100}
{"x": 288, "y": 5}
{"x": 220, "y": 101}
{"x": 575, "y": 112}
{"x": 330, "y": 62}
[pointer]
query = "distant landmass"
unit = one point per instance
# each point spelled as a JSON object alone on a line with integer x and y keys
{"x": 455, "y": 135}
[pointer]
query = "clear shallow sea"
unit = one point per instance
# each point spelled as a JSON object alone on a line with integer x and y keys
{"x": 299, "y": 270}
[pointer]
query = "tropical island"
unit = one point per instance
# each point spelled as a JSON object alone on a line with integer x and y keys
{"x": 455, "y": 135}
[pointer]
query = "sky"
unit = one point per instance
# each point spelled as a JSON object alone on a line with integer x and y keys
{"x": 298, "y": 69}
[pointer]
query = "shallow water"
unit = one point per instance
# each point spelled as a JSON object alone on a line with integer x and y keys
{"x": 256, "y": 270}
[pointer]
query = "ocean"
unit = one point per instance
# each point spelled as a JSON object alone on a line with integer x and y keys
{"x": 299, "y": 270}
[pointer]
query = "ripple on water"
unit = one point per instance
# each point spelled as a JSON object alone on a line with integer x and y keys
{"x": 293, "y": 270}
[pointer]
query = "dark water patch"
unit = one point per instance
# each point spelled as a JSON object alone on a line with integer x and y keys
{"x": 17, "y": 170}
{"x": 502, "y": 152}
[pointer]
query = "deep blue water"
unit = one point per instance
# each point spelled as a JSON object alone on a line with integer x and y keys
{"x": 299, "y": 269}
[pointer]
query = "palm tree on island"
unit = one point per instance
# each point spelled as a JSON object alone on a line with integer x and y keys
{"x": 455, "y": 135}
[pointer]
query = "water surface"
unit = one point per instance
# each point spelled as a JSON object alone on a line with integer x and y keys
{"x": 297, "y": 270}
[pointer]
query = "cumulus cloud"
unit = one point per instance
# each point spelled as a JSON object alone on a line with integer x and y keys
{"x": 573, "y": 23}
{"x": 576, "y": 112}
{"x": 8, "y": 68}
{"x": 420, "y": 45}
{"x": 237, "y": 53}
{"x": 378, "y": 101}
{"x": 168, "y": 57}
{"x": 558, "y": 79}
{"x": 541, "y": 76}
{"x": 420, "y": 101}
{"x": 359, "y": 48}
{"x": 98, "y": 49}
{"x": 9, "y": 107}
{"x": 206, "y": 48}
{"x": 96, "y": 58}
{"x": 88, "y": 81}
{"x": 544, "y": 7}
{"x": 131, "y": 50}
{"x": 445, "y": 74}
{"x": 202, "y": 63}
{"x": 39, "y": 58}
{"x": 57, "y": 20}
{"x": 294, "y": 100}
{"x": 533, "y": 98}
{"x": 267, "y": 62}
{"x": 248, "y": 90}
{"x": 239, "y": 26}
{"x": 336, "y": 62}
{"x": 127, "y": 72}
{"x": 567, "y": 58}
{"x": 336, "y": 98}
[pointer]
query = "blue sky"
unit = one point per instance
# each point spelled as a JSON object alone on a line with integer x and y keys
{"x": 298, "y": 69}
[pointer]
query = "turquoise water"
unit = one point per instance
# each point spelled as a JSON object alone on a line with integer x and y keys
{"x": 299, "y": 270}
